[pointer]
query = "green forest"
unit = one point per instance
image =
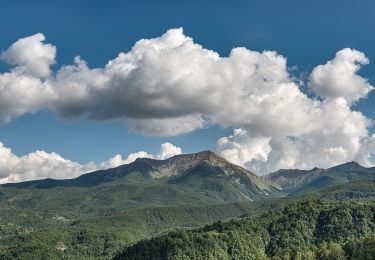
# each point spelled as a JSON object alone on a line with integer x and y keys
{"x": 310, "y": 229}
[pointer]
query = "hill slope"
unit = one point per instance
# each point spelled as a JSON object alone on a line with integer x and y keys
{"x": 304, "y": 230}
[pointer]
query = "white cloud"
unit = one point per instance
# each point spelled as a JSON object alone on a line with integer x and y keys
{"x": 41, "y": 165}
{"x": 335, "y": 135}
{"x": 168, "y": 150}
{"x": 241, "y": 146}
{"x": 164, "y": 86}
{"x": 303, "y": 132}
{"x": 21, "y": 93}
{"x": 23, "y": 89}
{"x": 171, "y": 85}
{"x": 338, "y": 79}
{"x": 117, "y": 160}
{"x": 31, "y": 56}
{"x": 38, "y": 165}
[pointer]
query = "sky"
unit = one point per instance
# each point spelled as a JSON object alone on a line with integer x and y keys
{"x": 87, "y": 85}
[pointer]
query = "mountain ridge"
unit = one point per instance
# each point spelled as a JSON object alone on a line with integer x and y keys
{"x": 209, "y": 172}
{"x": 188, "y": 160}
{"x": 204, "y": 171}
{"x": 292, "y": 180}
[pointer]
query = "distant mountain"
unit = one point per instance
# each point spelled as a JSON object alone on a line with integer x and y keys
{"x": 291, "y": 179}
{"x": 301, "y": 182}
{"x": 350, "y": 167}
{"x": 205, "y": 173}
{"x": 186, "y": 179}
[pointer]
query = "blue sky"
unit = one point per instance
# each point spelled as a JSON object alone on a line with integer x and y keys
{"x": 307, "y": 33}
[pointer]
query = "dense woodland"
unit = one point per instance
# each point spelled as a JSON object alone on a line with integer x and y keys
{"x": 311, "y": 229}
{"x": 307, "y": 229}
{"x": 41, "y": 236}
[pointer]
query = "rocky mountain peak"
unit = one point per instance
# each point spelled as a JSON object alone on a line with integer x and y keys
{"x": 349, "y": 166}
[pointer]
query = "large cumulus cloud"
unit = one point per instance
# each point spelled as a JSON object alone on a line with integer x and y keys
{"x": 171, "y": 85}
{"x": 337, "y": 79}
{"x": 166, "y": 81}
{"x": 31, "y": 56}
{"x": 321, "y": 132}
{"x": 23, "y": 88}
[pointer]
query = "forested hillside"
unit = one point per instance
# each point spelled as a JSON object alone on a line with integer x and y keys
{"x": 311, "y": 229}
{"x": 54, "y": 237}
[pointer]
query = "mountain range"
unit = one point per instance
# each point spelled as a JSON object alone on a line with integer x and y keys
{"x": 298, "y": 182}
{"x": 98, "y": 213}
{"x": 205, "y": 175}
{"x": 210, "y": 176}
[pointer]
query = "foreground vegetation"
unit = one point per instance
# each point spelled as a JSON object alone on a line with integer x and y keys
{"x": 96, "y": 223}
{"x": 311, "y": 229}
{"x": 47, "y": 237}
{"x": 314, "y": 227}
